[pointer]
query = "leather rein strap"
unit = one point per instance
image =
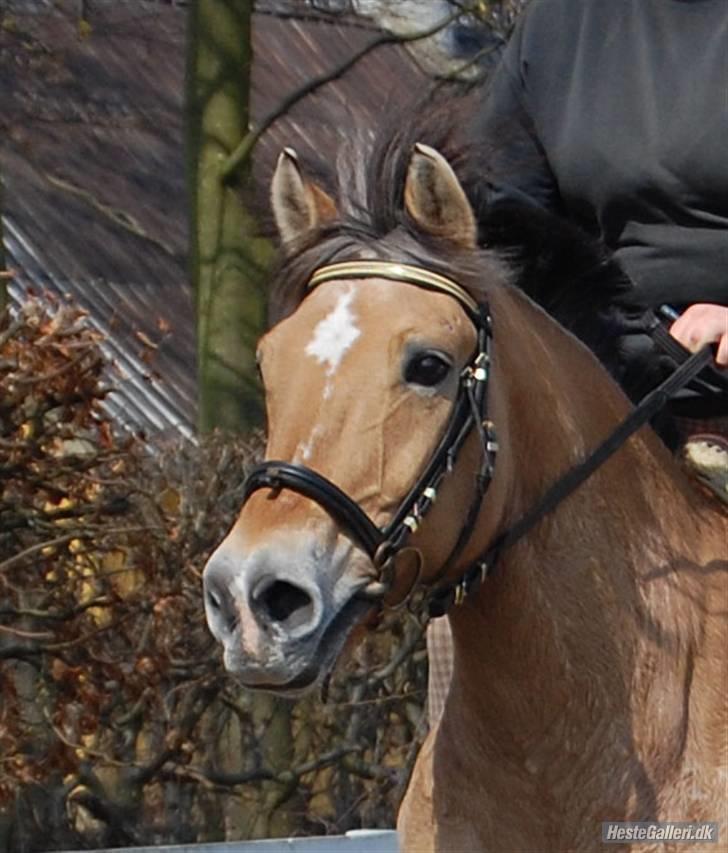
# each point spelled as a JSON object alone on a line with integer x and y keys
{"x": 442, "y": 599}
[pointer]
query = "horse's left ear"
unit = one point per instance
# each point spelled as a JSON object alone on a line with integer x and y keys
{"x": 435, "y": 199}
{"x": 299, "y": 205}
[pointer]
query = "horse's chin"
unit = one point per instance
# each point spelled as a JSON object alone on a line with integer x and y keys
{"x": 302, "y": 684}
{"x": 316, "y": 662}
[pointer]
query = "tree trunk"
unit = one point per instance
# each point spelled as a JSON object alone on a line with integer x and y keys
{"x": 228, "y": 259}
{"x": 228, "y": 263}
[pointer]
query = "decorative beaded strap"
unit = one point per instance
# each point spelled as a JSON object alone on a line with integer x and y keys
{"x": 395, "y": 272}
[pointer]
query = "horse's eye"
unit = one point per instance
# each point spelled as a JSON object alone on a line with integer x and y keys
{"x": 426, "y": 369}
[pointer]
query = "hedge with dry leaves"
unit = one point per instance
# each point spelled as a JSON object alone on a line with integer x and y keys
{"x": 118, "y": 725}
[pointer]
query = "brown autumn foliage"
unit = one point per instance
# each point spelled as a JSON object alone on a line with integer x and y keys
{"x": 118, "y": 725}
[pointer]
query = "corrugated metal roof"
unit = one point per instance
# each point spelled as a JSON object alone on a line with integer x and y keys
{"x": 94, "y": 197}
{"x": 140, "y": 403}
{"x": 288, "y": 52}
{"x": 91, "y": 154}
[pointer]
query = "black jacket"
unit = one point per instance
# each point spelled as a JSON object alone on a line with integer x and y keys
{"x": 614, "y": 114}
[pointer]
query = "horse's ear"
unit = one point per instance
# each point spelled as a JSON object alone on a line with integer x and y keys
{"x": 298, "y": 205}
{"x": 435, "y": 199}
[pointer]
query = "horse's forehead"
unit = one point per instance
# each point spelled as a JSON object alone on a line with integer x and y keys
{"x": 339, "y": 315}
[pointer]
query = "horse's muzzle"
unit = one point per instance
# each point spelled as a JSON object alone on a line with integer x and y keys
{"x": 281, "y": 613}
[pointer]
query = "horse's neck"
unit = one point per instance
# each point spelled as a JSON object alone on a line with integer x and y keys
{"x": 596, "y": 620}
{"x": 575, "y": 683}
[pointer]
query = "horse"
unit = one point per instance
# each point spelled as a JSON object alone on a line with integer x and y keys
{"x": 420, "y": 403}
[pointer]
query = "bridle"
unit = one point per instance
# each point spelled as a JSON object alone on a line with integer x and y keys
{"x": 469, "y": 414}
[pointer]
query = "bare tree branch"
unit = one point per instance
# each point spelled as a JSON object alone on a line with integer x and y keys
{"x": 244, "y": 149}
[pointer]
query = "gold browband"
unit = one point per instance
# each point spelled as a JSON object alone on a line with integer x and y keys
{"x": 396, "y": 272}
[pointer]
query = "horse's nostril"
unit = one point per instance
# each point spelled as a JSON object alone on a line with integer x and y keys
{"x": 284, "y": 602}
{"x": 222, "y": 605}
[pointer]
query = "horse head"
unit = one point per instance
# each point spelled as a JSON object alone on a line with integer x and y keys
{"x": 375, "y": 388}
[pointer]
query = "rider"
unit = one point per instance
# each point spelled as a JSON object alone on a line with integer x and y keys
{"x": 614, "y": 115}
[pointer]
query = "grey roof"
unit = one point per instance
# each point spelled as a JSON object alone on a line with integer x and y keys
{"x": 290, "y": 51}
{"x": 91, "y": 154}
{"x": 94, "y": 188}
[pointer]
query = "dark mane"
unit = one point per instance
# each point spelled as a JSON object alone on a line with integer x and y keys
{"x": 561, "y": 268}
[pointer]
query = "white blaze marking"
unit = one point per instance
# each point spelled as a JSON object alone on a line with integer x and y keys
{"x": 304, "y": 450}
{"x": 334, "y": 335}
{"x": 332, "y": 338}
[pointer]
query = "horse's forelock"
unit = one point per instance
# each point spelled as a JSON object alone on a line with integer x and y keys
{"x": 367, "y": 180}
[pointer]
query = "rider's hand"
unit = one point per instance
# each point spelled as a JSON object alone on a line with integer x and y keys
{"x": 703, "y": 324}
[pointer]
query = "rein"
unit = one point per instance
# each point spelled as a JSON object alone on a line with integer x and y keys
{"x": 382, "y": 544}
{"x": 442, "y": 599}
